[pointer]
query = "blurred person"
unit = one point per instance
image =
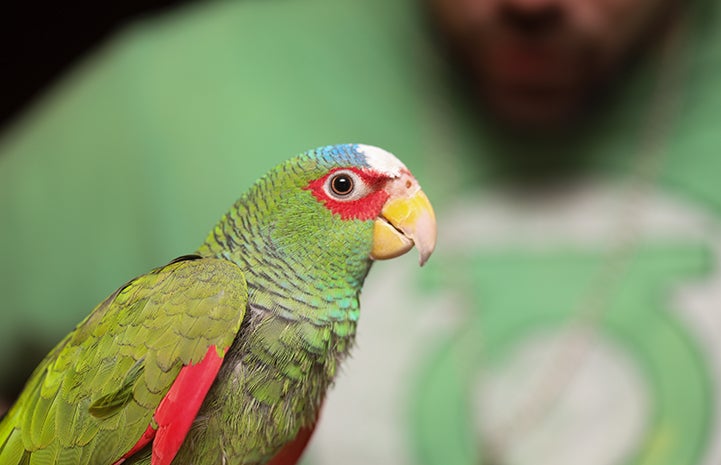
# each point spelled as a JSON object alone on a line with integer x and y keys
{"x": 570, "y": 312}
{"x": 541, "y": 63}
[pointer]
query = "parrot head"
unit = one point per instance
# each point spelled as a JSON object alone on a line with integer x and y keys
{"x": 363, "y": 183}
{"x": 330, "y": 211}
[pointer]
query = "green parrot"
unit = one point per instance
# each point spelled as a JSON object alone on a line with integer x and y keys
{"x": 224, "y": 356}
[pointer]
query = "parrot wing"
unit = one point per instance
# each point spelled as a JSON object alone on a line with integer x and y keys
{"x": 136, "y": 369}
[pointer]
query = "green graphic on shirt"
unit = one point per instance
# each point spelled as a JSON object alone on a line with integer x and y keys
{"x": 511, "y": 295}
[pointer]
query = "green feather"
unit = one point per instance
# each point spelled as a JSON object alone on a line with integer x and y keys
{"x": 111, "y": 404}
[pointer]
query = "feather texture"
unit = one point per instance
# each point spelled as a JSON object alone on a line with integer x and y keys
{"x": 102, "y": 378}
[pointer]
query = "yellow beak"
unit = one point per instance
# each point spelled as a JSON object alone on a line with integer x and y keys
{"x": 407, "y": 219}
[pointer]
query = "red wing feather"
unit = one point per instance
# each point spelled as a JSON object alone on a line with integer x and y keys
{"x": 178, "y": 409}
{"x": 180, "y": 405}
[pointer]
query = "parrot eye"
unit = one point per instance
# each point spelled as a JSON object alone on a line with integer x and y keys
{"x": 341, "y": 184}
{"x": 345, "y": 186}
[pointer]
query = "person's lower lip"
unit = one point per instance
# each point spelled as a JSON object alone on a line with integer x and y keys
{"x": 527, "y": 63}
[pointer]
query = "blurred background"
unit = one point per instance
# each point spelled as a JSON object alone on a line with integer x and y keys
{"x": 570, "y": 313}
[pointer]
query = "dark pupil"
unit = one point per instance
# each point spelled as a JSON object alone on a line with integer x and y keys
{"x": 342, "y": 184}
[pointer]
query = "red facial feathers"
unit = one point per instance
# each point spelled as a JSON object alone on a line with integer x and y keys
{"x": 365, "y": 203}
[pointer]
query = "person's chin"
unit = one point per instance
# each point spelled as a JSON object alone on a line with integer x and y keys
{"x": 532, "y": 108}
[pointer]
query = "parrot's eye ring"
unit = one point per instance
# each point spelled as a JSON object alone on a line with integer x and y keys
{"x": 342, "y": 184}
{"x": 345, "y": 186}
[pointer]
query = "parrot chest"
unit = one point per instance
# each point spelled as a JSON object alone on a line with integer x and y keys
{"x": 271, "y": 385}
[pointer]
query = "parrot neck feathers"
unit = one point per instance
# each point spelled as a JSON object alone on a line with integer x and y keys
{"x": 301, "y": 260}
{"x": 304, "y": 266}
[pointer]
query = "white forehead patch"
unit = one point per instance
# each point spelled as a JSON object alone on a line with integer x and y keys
{"x": 382, "y": 161}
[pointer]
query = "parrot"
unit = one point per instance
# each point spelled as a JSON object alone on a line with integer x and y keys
{"x": 224, "y": 356}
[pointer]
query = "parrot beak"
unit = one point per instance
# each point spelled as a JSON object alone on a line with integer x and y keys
{"x": 407, "y": 218}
